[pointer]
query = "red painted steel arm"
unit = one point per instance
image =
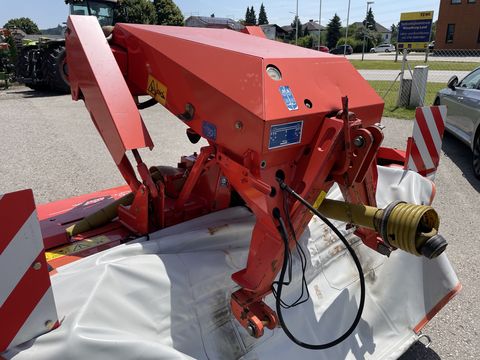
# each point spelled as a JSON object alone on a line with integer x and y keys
{"x": 101, "y": 85}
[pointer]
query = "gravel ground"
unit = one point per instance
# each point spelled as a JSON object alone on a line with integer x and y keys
{"x": 49, "y": 144}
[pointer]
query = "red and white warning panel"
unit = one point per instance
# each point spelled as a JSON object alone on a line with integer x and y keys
{"x": 27, "y": 306}
{"x": 424, "y": 147}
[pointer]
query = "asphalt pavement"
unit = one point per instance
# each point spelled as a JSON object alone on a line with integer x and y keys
{"x": 49, "y": 144}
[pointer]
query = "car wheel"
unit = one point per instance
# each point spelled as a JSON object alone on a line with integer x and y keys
{"x": 386, "y": 50}
{"x": 436, "y": 102}
{"x": 372, "y": 51}
{"x": 476, "y": 156}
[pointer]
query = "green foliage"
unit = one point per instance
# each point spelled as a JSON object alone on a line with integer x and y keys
{"x": 262, "y": 16}
{"x": 333, "y": 31}
{"x": 370, "y": 20}
{"x": 394, "y": 30}
{"x": 136, "y": 12}
{"x": 168, "y": 13}
{"x": 296, "y": 22}
{"x": 250, "y": 16}
{"x": 434, "y": 31}
{"x": 306, "y": 41}
{"x": 23, "y": 23}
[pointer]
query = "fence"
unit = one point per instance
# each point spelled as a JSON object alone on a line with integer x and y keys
{"x": 383, "y": 73}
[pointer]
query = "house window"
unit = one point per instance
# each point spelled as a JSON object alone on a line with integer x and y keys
{"x": 478, "y": 38}
{"x": 450, "y": 32}
{"x": 471, "y": 1}
{"x": 455, "y": 2}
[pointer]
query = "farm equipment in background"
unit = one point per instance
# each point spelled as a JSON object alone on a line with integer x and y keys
{"x": 41, "y": 59}
{"x": 6, "y": 66}
{"x": 283, "y": 125}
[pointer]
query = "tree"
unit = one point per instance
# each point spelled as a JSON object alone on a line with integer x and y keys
{"x": 262, "y": 16}
{"x": 23, "y": 23}
{"x": 296, "y": 22}
{"x": 394, "y": 30}
{"x": 168, "y": 13}
{"x": 333, "y": 31}
{"x": 136, "y": 12}
{"x": 433, "y": 32}
{"x": 253, "y": 15}
{"x": 248, "y": 16}
{"x": 370, "y": 21}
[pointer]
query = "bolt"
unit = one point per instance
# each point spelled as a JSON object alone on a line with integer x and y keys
{"x": 263, "y": 164}
{"x": 251, "y": 330}
{"x": 359, "y": 141}
{"x": 223, "y": 181}
{"x": 37, "y": 265}
{"x": 238, "y": 125}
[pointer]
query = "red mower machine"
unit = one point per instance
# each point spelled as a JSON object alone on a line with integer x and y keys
{"x": 283, "y": 125}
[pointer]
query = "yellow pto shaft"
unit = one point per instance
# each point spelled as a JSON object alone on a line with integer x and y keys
{"x": 412, "y": 228}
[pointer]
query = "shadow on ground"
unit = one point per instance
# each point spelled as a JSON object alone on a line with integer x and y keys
{"x": 418, "y": 351}
{"x": 25, "y": 92}
{"x": 461, "y": 156}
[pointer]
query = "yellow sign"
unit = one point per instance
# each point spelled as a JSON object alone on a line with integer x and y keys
{"x": 76, "y": 247}
{"x": 419, "y": 15}
{"x": 157, "y": 90}
{"x": 414, "y": 30}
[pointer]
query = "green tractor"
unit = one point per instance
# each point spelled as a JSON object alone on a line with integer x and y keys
{"x": 41, "y": 61}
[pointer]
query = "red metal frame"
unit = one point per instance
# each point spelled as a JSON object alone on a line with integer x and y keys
{"x": 234, "y": 106}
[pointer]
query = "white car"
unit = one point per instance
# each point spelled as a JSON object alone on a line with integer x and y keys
{"x": 383, "y": 48}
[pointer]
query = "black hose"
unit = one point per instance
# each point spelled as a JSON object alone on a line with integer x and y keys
{"x": 284, "y": 234}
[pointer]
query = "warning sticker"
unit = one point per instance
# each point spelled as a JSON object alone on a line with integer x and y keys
{"x": 76, "y": 247}
{"x": 320, "y": 199}
{"x": 157, "y": 90}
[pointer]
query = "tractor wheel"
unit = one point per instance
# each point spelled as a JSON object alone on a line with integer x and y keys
{"x": 56, "y": 70}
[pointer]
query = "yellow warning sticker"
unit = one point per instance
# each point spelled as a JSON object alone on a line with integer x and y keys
{"x": 76, "y": 247}
{"x": 320, "y": 199}
{"x": 157, "y": 90}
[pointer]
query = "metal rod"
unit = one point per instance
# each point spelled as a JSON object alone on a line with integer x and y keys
{"x": 346, "y": 30}
{"x": 320, "y": 26}
{"x": 296, "y": 25}
{"x": 404, "y": 60}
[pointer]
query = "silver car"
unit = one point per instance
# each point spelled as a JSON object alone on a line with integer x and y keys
{"x": 463, "y": 112}
{"x": 383, "y": 48}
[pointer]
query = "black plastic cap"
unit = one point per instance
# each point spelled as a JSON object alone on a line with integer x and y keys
{"x": 434, "y": 246}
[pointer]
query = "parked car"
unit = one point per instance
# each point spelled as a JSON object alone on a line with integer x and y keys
{"x": 463, "y": 112}
{"x": 383, "y": 48}
{"x": 324, "y": 49}
{"x": 340, "y": 50}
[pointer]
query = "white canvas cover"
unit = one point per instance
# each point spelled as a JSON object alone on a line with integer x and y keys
{"x": 167, "y": 297}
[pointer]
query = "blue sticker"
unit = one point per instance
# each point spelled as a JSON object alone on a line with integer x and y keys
{"x": 288, "y": 98}
{"x": 209, "y": 130}
{"x": 285, "y": 134}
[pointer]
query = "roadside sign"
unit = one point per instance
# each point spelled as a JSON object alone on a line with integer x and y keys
{"x": 414, "y": 30}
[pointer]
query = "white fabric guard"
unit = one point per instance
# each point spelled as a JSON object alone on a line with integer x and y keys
{"x": 168, "y": 297}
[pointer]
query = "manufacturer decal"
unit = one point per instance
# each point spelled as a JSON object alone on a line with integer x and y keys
{"x": 157, "y": 90}
{"x": 209, "y": 130}
{"x": 288, "y": 98}
{"x": 285, "y": 134}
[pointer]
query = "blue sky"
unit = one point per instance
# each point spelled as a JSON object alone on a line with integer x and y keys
{"x": 53, "y": 12}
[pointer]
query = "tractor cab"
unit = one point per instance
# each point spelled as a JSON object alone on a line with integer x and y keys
{"x": 102, "y": 9}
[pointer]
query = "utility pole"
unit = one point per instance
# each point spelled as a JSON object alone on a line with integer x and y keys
{"x": 366, "y": 28}
{"x": 346, "y": 30}
{"x": 320, "y": 26}
{"x": 296, "y": 25}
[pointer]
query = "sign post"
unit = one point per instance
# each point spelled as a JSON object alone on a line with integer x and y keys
{"x": 413, "y": 34}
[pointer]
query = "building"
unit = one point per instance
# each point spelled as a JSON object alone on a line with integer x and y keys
{"x": 458, "y": 25}
{"x": 273, "y": 31}
{"x": 213, "y": 22}
{"x": 380, "y": 29}
{"x": 312, "y": 28}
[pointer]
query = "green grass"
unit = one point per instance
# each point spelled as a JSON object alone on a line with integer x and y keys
{"x": 433, "y": 65}
{"x": 391, "y": 110}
